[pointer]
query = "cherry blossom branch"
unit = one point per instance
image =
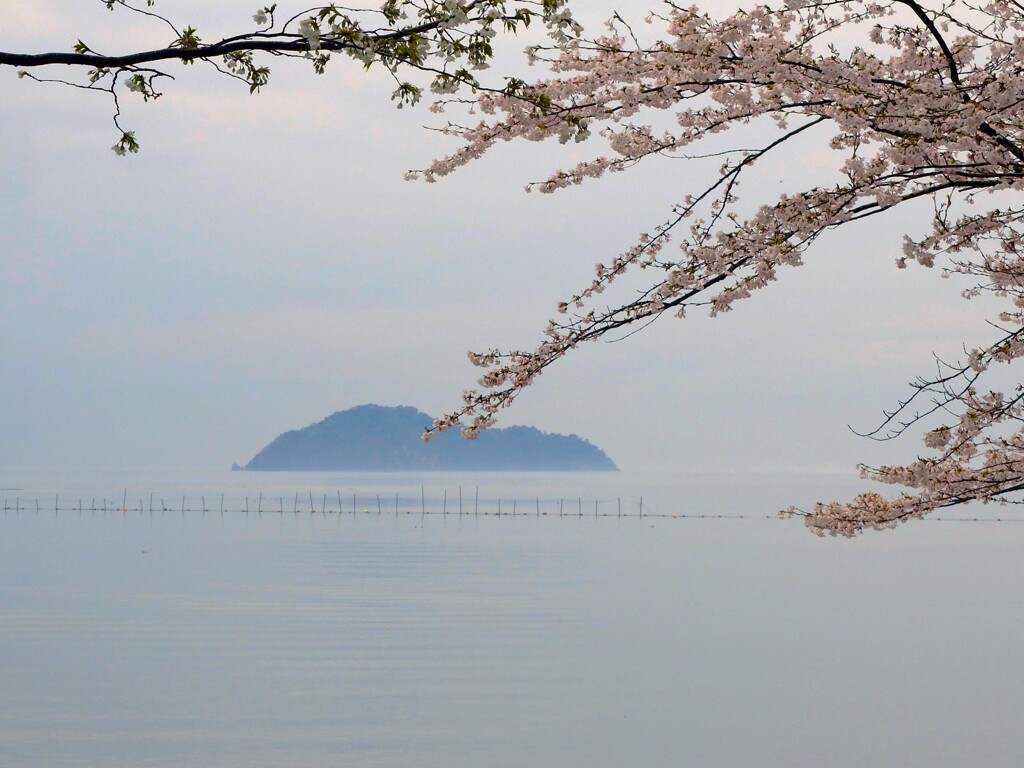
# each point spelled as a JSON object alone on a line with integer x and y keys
{"x": 910, "y": 114}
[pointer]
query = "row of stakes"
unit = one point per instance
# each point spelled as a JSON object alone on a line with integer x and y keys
{"x": 106, "y": 507}
{"x": 516, "y": 509}
{"x": 109, "y": 506}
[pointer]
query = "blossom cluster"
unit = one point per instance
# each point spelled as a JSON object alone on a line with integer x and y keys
{"x": 928, "y": 103}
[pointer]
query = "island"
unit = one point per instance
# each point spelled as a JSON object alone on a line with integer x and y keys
{"x": 377, "y": 438}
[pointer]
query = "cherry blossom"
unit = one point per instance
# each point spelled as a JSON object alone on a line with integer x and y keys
{"x": 912, "y": 100}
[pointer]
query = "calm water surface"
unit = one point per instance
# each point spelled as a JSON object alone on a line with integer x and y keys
{"x": 322, "y": 639}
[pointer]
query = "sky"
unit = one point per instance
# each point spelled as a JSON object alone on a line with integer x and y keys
{"x": 262, "y": 263}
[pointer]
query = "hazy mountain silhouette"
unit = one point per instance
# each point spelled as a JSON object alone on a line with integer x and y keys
{"x": 377, "y": 438}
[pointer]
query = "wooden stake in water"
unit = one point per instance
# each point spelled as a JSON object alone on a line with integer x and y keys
{"x": 259, "y": 505}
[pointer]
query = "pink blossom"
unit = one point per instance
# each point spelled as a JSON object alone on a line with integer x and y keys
{"x": 929, "y": 103}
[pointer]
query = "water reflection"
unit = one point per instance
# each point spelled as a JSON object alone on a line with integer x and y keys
{"x": 319, "y": 640}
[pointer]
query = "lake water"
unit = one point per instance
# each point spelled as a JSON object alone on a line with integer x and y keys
{"x": 277, "y": 637}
